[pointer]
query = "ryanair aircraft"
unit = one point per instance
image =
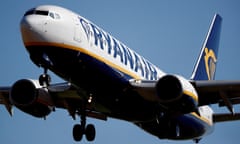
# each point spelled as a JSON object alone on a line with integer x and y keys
{"x": 106, "y": 79}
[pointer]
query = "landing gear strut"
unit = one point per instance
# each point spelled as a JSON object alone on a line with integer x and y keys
{"x": 80, "y": 129}
{"x": 44, "y": 79}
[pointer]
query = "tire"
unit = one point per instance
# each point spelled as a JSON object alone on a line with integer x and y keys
{"x": 90, "y": 132}
{"x": 78, "y": 132}
{"x": 44, "y": 80}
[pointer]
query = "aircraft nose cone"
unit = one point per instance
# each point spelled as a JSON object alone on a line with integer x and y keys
{"x": 31, "y": 29}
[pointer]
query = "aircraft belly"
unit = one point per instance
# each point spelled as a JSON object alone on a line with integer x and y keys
{"x": 107, "y": 86}
{"x": 182, "y": 127}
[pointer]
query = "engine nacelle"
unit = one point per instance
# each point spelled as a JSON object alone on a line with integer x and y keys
{"x": 169, "y": 89}
{"x": 176, "y": 94}
{"x": 30, "y": 97}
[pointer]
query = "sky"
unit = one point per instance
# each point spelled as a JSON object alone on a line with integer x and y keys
{"x": 169, "y": 33}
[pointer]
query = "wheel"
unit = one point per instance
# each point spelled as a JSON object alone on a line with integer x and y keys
{"x": 44, "y": 80}
{"x": 90, "y": 132}
{"x": 78, "y": 132}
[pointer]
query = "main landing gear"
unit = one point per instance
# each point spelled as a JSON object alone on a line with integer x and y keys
{"x": 83, "y": 129}
{"x": 80, "y": 129}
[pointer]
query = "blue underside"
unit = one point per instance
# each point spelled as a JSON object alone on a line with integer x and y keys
{"x": 111, "y": 89}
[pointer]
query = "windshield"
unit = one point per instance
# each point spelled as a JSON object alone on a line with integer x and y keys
{"x": 42, "y": 12}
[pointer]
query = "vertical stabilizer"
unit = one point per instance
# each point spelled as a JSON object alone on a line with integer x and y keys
{"x": 206, "y": 64}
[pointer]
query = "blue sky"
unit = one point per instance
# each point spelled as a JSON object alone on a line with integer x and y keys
{"x": 169, "y": 33}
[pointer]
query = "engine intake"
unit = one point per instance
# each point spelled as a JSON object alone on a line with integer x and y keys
{"x": 169, "y": 89}
{"x": 23, "y": 93}
{"x": 30, "y": 97}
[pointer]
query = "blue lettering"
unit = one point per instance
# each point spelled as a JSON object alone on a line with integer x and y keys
{"x": 153, "y": 75}
{"x": 138, "y": 64}
{"x": 127, "y": 56}
{"x": 85, "y": 26}
{"x": 146, "y": 66}
{"x": 117, "y": 50}
{"x": 97, "y": 36}
{"x": 108, "y": 39}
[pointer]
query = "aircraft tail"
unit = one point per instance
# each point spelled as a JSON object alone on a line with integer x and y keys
{"x": 206, "y": 63}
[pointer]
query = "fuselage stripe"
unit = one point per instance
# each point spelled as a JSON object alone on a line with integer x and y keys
{"x": 82, "y": 50}
{"x": 190, "y": 94}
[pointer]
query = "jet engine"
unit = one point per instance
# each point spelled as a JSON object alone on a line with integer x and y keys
{"x": 169, "y": 89}
{"x": 30, "y": 97}
{"x": 176, "y": 94}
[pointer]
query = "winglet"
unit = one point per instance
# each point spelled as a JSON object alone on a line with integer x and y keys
{"x": 206, "y": 64}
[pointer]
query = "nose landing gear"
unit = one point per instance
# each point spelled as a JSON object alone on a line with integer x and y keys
{"x": 44, "y": 79}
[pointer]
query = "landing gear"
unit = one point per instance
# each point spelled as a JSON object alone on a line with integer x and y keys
{"x": 80, "y": 129}
{"x": 44, "y": 79}
{"x": 90, "y": 132}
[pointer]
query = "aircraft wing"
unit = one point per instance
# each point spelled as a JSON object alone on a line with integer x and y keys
{"x": 224, "y": 93}
{"x": 62, "y": 95}
{"x": 221, "y": 92}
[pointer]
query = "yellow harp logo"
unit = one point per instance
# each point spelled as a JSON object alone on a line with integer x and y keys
{"x": 210, "y": 63}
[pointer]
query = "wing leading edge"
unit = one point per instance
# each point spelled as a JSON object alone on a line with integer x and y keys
{"x": 62, "y": 95}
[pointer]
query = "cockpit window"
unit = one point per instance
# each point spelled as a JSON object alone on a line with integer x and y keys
{"x": 31, "y": 11}
{"x": 57, "y": 16}
{"x": 37, "y": 12}
{"x": 54, "y": 15}
{"x": 40, "y": 12}
{"x": 51, "y": 15}
{"x": 43, "y": 12}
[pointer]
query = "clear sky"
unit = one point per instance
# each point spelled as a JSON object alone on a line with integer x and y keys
{"x": 169, "y": 33}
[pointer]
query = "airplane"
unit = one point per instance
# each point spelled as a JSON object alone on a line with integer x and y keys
{"x": 106, "y": 79}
